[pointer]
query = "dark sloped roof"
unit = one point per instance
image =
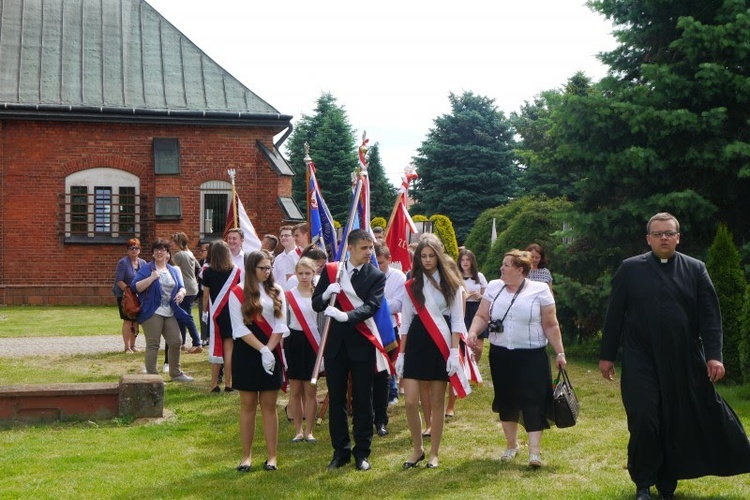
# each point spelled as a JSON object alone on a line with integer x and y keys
{"x": 112, "y": 57}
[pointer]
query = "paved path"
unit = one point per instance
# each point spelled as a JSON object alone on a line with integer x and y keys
{"x": 45, "y": 346}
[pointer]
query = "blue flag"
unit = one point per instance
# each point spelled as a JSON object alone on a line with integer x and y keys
{"x": 322, "y": 231}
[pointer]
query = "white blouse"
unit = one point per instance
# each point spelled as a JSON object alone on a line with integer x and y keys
{"x": 522, "y": 327}
{"x": 455, "y": 311}
{"x": 239, "y": 329}
{"x": 472, "y": 286}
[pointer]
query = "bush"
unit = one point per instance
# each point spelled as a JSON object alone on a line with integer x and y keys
{"x": 724, "y": 267}
{"x": 442, "y": 227}
{"x": 378, "y": 222}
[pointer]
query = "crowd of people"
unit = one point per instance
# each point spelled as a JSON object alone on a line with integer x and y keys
{"x": 265, "y": 315}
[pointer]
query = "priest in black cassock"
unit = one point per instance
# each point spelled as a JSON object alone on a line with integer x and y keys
{"x": 664, "y": 310}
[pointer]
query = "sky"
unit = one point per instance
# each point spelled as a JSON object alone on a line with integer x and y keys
{"x": 392, "y": 64}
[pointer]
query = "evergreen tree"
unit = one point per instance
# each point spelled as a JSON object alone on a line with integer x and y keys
{"x": 467, "y": 162}
{"x": 725, "y": 269}
{"x": 667, "y": 130}
{"x": 332, "y": 149}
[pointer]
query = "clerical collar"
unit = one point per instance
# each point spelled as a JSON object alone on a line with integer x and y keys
{"x": 663, "y": 261}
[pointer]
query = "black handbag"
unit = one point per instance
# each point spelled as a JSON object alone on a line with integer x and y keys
{"x": 565, "y": 405}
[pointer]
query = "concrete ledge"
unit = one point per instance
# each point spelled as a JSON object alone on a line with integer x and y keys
{"x": 135, "y": 395}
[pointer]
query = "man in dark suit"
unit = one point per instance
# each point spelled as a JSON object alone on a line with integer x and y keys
{"x": 349, "y": 350}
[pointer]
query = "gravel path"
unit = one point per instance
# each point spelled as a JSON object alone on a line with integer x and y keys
{"x": 45, "y": 346}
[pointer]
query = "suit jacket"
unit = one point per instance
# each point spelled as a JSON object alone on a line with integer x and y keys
{"x": 369, "y": 286}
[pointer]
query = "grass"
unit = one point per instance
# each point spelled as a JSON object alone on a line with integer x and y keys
{"x": 66, "y": 321}
{"x": 192, "y": 453}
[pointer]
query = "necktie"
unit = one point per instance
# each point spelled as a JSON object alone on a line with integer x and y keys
{"x": 355, "y": 272}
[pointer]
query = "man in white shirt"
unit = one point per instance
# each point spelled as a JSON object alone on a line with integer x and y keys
{"x": 283, "y": 264}
{"x": 301, "y": 237}
{"x": 234, "y": 239}
{"x": 384, "y": 387}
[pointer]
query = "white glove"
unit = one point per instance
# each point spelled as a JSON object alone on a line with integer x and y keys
{"x": 332, "y": 288}
{"x": 269, "y": 362}
{"x": 400, "y": 365}
{"x": 204, "y": 317}
{"x": 453, "y": 365}
{"x": 336, "y": 314}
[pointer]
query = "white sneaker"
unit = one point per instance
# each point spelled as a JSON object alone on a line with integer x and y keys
{"x": 166, "y": 368}
{"x": 182, "y": 378}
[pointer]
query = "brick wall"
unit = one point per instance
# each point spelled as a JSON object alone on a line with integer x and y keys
{"x": 37, "y": 266}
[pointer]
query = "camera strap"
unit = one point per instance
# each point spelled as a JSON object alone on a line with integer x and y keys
{"x": 515, "y": 296}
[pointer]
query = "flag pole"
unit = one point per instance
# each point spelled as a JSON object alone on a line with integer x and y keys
{"x": 360, "y": 173}
{"x": 235, "y": 215}
{"x": 307, "y": 161}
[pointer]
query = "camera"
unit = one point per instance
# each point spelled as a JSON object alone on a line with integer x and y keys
{"x": 496, "y": 326}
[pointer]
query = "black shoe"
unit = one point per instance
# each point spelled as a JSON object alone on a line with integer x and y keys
{"x": 269, "y": 467}
{"x": 338, "y": 462}
{"x": 382, "y": 431}
{"x": 228, "y": 389}
{"x": 409, "y": 465}
{"x": 243, "y": 468}
{"x": 216, "y": 389}
{"x": 643, "y": 494}
{"x": 363, "y": 464}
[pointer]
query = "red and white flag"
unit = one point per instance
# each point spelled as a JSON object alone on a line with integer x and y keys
{"x": 397, "y": 236}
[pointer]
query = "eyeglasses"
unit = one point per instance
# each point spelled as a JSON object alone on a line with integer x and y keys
{"x": 134, "y": 248}
{"x": 662, "y": 234}
{"x": 263, "y": 268}
{"x": 286, "y": 235}
{"x": 160, "y": 250}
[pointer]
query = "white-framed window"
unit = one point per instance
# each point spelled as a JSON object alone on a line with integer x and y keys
{"x": 102, "y": 204}
{"x": 214, "y": 204}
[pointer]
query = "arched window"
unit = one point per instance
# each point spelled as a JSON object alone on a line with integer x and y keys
{"x": 102, "y": 205}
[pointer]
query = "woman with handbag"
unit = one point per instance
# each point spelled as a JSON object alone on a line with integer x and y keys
{"x": 522, "y": 321}
{"x": 161, "y": 290}
{"x": 124, "y": 274}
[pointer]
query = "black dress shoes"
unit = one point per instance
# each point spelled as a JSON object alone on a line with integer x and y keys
{"x": 338, "y": 462}
{"x": 643, "y": 494}
{"x": 269, "y": 467}
{"x": 363, "y": 464}
{"x": 382, "y": 431}
{"x": 409, "y": 465}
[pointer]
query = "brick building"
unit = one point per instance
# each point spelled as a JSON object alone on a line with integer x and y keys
{"x": 112, "y": 125}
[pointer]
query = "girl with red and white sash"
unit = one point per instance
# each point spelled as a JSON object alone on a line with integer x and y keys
{"x": 301, "y": 348}
{"x": 218, "y": 278}
{"x": 431, "y": 326}
{"x": 258, "y": 312}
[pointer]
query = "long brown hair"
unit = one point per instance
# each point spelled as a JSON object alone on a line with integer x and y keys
{"x": 220, "y": 257}
{"x": 449, "y": 280}
{"x": 252, "y": 307}
{"x": 473, "y": 269}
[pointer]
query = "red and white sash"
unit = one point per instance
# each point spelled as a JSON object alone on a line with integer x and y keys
{"x": 215, "y": 344}
{"x": 348, "y": 300}
{"x": 264, "y": 324}
{"x": 306, "y": 317}
{"x": 440, "y": 332}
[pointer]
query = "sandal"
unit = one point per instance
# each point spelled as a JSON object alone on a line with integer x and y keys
{"x": 509, "y": 454}
{"x": 535, "y": 460}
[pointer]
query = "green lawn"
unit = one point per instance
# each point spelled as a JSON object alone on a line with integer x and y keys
{"x": 193, "y": 452}
{"x": 49, "y": 321}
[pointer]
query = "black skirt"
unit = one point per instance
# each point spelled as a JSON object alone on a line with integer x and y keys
{"x": 523, "y": 386}
{"x": 300, "y": 356}
{"x": 471, "y": 311}
{"x": 247, "y": 369}
{"x": 422, "y": 358}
